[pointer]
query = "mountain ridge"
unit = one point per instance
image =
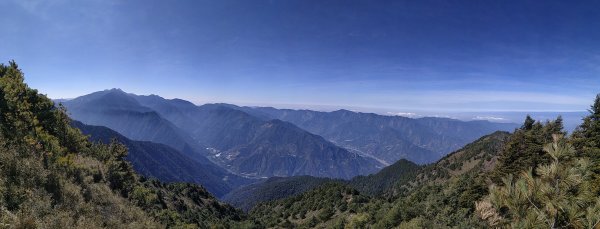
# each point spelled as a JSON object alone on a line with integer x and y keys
{"x": 229, "y": 137}
{"x": 394, "y": 180}
{"x": 421, "y": 140}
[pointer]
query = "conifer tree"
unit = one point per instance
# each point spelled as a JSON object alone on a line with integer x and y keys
{"x": 558, "y": 197}
{"x": 525, "y": 147}
{"x": 528, "y": 124}
{"x": 553, "y": 127}
{"x": 586, "y": 139}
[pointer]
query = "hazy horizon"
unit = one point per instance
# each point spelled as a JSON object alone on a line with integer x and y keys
{"x": 571, "y": 118}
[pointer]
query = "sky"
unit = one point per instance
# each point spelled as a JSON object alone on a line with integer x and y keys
{"x": 397, "y": 57}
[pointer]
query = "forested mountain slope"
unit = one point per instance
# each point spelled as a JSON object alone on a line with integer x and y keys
{"x": 274, "y": 188}
{"x": 397, "y": 174}
{"x": 327, "y": 206}
{"x": 167, "y": 164}
{"x": 475, "y": 158}
{"x": 278, "y": 188}
{"x": 52, "y": 176}
{"x": 454, "y": 191}
{"x": 393, "y": 190}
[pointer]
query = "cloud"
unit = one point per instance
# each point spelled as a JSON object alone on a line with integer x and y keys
{"x": 404, "y": 114}
{"x": 489, "y": 118}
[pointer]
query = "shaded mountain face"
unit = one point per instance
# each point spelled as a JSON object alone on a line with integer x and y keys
{"x": 167, "y": 164}
{"x": 276, "y": 188}
{"x": 256, "y": 147}
{"x": 277, "y": 148}
{"x": 390, "y": 177}
{"x": 386, "y": 138}
{"x": 479, "y": 156}
{"x": 119, "y": 111}
{"x": 475, "y": 159}
{"x": 237, "y": 141}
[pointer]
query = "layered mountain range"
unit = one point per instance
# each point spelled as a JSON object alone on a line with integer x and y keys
{"x": 225, "y": 146}
{"x": 235, "y": 140}
{"x": 387, "y": 138}
{"x": 54, "y": 176}
{"x": 477, "y": 157}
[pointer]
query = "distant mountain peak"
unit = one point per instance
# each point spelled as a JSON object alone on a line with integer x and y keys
{"x": 110, "y": 98}
{"x": 182, "y": 102}
{"x": 344, "y": 111}
{"x": 154, "y": 96}
{"x": 114, "y": 89}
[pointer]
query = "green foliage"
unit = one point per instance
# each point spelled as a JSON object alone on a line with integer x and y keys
{"x": 528, "y": 124}
{"x": 525, "y": 147}
{"x": 274, "y": 188}
{"x": 283, "y": 187}
{"x": 376, "y": 184}
{"x": 327, "y": 205}
{"x": 586, "y": 139}
{"x": 120, "y": 175}
{"x": 443, "y": 193}
{"x": 559, "y": 196}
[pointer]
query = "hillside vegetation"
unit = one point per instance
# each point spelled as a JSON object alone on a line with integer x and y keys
{"x": 165, "y": 163}
{"x": 274, "y": 188}
{"x": 404, "y": 192}
{"x": 277, "y": 188}
{"x": 529, "y": 179}
{"x": 52, "y": 176}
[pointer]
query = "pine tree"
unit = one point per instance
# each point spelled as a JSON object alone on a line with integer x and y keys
{"x": 525, "y": 147}
{"x": 120, "y": 172}
{"x": 528, "y": 124}
{"x": 553, "y": 127}
{"x": 587, "y": 136}
{"x": 586, "y": 139}
{"x": 558, "y": 197}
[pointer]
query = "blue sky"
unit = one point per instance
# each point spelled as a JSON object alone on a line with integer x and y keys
{"x": 400, "y": 56}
